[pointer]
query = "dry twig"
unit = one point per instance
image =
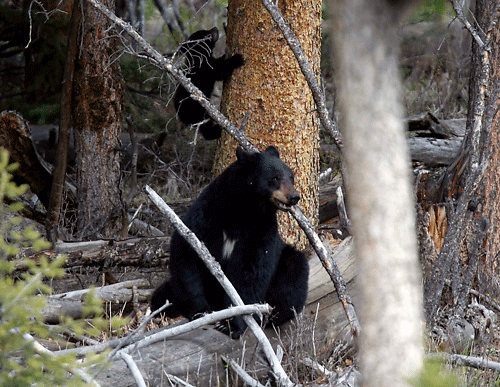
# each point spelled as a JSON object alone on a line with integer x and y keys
{"x": 247, "y": 379}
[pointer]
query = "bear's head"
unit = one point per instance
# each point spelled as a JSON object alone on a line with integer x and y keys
{"x": 269, "y": 177}
{"x": 199, "y": 46}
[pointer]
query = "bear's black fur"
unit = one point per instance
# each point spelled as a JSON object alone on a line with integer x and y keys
{"x": 203, "y": 71}
{"x": 235, "y": 216}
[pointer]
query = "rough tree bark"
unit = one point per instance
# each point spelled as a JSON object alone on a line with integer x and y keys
{"x": 272, "y": 88}
{"x": 379, "y": 191}
{"x": 472, "y": 243}
{"x": 97, "y": 115}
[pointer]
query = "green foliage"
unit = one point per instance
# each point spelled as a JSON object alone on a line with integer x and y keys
{"x": 23, "y": 362}
{"x": 431, "y": 10}
{"x": 44, "y": 113}
{"x": 434, "y": 374}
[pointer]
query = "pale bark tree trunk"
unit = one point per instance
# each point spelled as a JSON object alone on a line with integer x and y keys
{"x": 97, "y": 115}
{"x": 272, "y": 88}
{"x": 379, "y": 190}
{"x": 471, "y": 247}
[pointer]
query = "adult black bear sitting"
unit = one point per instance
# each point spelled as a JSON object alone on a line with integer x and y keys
{"x": 203, "y": 70}
{"x": 235, "y": 216}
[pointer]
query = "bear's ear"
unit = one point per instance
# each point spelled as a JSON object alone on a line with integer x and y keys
{"x": 215, "y": 34}
{"x": 272, "y": 151}
{"x": 245, "y": 157}
{"x": 241, "y": 154}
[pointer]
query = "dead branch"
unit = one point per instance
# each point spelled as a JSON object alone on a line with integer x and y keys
{"x": 215, "y": 269}
{"x": 151, "y": 337}
{"x": 74, "y": 370}
{"x": 133, "y": 368}
{"x": 128, "y": 339}
{"x": 468, "y": 361}
{"x": 317, "y": 367}
{"x": 179, "y": 381}
{"x": 71, "y": 303}
{"x": 459, "y": 10}
{"x": 331, "y": 267}
{"x": 240, "y": 310}
{"x": 247, "y": 379}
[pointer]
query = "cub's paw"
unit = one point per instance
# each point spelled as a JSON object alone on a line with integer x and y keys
{"x": 237, "y": 60}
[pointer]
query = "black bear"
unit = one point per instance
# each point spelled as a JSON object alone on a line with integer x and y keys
{"x": 235, "y": 216}
{"x": 203, "y": 70}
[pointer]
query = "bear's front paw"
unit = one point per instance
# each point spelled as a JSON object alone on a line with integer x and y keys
{"x": 228, "y": 328}
{"x": 237, "y": 61}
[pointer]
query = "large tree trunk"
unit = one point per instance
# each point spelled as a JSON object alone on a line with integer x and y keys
{"x": 483, "y": 115}
{"x": 472, "y": 243}
{"x": 379, "y": 190}
{"x": 97, "y": 114}
{"x": 271, "y": 87}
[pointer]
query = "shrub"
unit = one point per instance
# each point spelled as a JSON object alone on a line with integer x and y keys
{"x": 23, "y": 361}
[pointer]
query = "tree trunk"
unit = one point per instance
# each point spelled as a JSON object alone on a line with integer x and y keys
{"x": 471, "y": 245}
{"x": 484, "y": 115}
{"x": 97, "y": 114}
{"x": 379, "y": 190}
{"x": 272, "y": 88}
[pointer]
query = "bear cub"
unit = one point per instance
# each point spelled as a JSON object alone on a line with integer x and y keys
{"x": 235, "y": 216}
{"x": 203, "y": 70}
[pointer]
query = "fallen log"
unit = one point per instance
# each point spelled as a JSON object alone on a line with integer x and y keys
{"x": 434, "y": 142}
{"x": 70, "y": 304}
{"x": 143, "y": 252}
{"x": 120, "y": 292}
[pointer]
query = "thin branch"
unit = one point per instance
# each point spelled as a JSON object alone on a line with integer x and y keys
{"x": 136, "y": 373}
{"x": 39, "y": 348}
{"x": 468, "y": 361}
{"x": 128, "y": 339}
{"x": 144, "y": 340}
{"x": 460, "y": 15}
{"x": 305, "y": 67}
{"x": 179, "y": 381}
{"x": 245, "y": 310}
{"x": 331, "y": 267}
{"x": 318, "y": 367}
{"x": 245, "y": 377}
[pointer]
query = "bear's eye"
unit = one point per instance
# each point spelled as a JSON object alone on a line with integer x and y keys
{"x": 275, "y": 179}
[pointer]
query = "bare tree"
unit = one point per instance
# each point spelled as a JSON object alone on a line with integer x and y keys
{"x": 379, "y": 189}
{"x": 97, "y": 117}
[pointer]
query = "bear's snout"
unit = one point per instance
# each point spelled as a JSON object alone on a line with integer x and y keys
{"x": 285, "y": 197}
{"x": 294, "y": 198}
